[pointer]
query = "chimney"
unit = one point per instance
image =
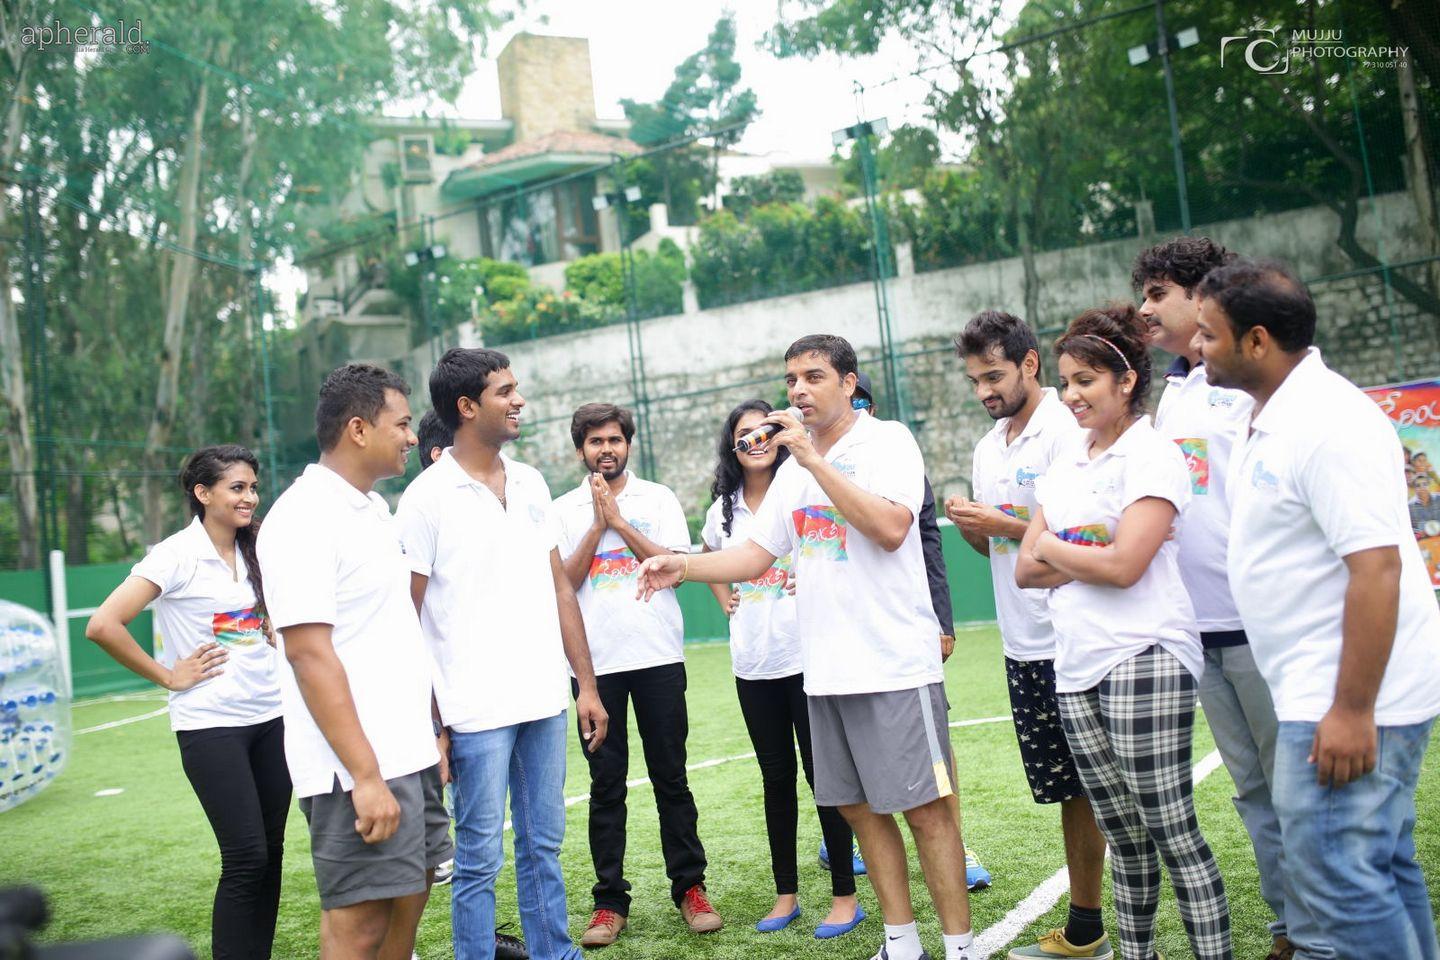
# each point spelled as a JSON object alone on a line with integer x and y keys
{"x": 546, "y": 85}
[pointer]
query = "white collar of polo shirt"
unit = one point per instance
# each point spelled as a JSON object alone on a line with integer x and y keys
{"x": 204, "y": 548}
{"x": 1049, "y": 398}
{"x": 1119, "y": 448}
{"x": 1288, "y": 400}
{"x": 353, "y": 495}
{"x": 461, "y": 477}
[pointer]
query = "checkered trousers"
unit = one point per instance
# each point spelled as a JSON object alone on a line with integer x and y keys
{"x": 1130, "y": 737}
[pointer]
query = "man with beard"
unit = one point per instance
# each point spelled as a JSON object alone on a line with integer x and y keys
{"x": 1002, "y": 362}
{"x": 609, "y": 525}
{"x": 1206, "y": 422}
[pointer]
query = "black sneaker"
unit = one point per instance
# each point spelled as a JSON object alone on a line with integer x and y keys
{"x": 508, "y": 947}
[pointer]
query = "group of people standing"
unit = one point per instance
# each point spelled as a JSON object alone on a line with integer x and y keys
{"x": 1250, "y": 547}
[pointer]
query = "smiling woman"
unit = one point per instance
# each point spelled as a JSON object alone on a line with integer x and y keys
{"x": 220, "y": 668}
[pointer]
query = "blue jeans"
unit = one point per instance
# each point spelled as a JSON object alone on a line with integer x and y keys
{"x": 529, "y": 759}
{"x": 1241, "y": 716}
{"x": 1350, "y": 851}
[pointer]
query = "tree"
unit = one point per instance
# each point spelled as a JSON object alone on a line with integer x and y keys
{"x": 168, "y": 178}
{"x": 902, "y": 163}
{"x": 705, "y": 95}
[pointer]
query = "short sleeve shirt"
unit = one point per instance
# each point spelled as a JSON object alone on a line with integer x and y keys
{"x": 1321, "y": 475}
{"x": 1205, "y": 422}
{"x": 202, "y": 601}
{"x": 490, "y": 617}
{"x": 626, "y": 633}
{"x": 1099, "y": 627}
{"x": 865, "y": 615}
{"x": 332, "y": 555}
{"x": 764, "y": 634}
{"x": 1003, "y": 475}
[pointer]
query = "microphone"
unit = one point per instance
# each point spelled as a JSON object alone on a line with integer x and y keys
{"x": 764, "y": 432}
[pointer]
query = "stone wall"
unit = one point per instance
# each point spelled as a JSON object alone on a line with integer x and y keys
{"x": 698, "y": 366}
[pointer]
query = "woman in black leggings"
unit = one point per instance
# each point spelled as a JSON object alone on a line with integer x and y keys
{"x": 765, "y": 654}
{"x": 219, "y": 664}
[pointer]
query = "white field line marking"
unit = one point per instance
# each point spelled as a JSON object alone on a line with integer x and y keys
{"x": 979, "y": 721}
{"x": 122, "y": 697}
{"x": 994, "y": 938}
{"x": 120, "y": 723}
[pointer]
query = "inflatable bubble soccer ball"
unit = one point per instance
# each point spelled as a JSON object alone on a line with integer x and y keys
{"x": 34, "y": 710}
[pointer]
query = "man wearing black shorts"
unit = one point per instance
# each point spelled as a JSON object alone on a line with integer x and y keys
{"x": 1002, "y": 362}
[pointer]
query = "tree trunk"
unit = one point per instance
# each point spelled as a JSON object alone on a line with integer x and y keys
{"x": 14, "y": 393}
{"x": 177, "y": 297}
{"x": 1417, "y": 164}
{"x": 251, "y": 320}
{"x": 77, "y": 520}
{"x": 1027, "y": 259}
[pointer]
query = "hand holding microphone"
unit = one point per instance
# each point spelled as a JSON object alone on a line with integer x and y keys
{"x": 766, "y": 432}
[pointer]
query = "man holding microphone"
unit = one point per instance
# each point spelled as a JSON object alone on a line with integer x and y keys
{"x": 845, "y": 506}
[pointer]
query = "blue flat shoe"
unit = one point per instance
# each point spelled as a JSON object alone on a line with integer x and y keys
{"x": 827, "y": 931}
{"x": 772, "y": 924}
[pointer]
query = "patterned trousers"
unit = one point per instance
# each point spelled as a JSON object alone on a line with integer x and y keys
{"x": 1130, "y": 736}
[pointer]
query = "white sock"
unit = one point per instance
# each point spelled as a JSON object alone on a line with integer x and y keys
{"x": 903, "y": 942}
{"x": 957, "y": 945}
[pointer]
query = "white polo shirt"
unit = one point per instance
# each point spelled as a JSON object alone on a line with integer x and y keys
{"x": 1320, "y": 476}
{"x": 865, "y": 615}
{"x": 1097, "y": 627}
{"x": 331, "y": 554}
{"x": 201, "y": 601}
{"x": 764, "y": 634}
{"x": 1003, "y": 475}
{"x": 1206, "y": 423}
{"x": 490, "y": 616}
{"x": 626, "y": 633}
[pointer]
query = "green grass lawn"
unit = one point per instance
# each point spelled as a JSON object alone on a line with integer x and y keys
{"x": 145, "y": 860}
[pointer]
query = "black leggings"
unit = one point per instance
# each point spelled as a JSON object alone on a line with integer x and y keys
{"x": 777, "y": 717}
{"x": 240, "y": 776}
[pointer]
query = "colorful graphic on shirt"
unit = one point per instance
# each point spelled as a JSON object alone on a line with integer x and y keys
{"x": 768, "y": 587}
{"x": 822, "y": 533}
{"x": 1197, "y": 458}
{"x": 613, "y": 570}
{"x": 1414, "y": 410}
{"x": 238, "y": 628}
{"x": 1020, "y": 512}
{"x": 1088, "y": 535}
{"x": 1026, "y": 478}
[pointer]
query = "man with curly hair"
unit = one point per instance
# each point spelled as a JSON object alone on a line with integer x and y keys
{"x": 1204, "y": 420}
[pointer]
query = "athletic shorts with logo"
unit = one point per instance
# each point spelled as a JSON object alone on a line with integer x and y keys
{"x": 890, "y": 750}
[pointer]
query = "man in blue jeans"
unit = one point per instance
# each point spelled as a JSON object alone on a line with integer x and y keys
{"x": 500, "y": 620}
{"x": 1339, "y": 610}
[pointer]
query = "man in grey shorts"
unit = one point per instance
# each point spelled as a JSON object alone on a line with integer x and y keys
{"x": 359, "y": 739}
{"x": 845, "y": 506}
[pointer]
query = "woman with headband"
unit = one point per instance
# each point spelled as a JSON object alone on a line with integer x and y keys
{"x": 1128, "y": 654}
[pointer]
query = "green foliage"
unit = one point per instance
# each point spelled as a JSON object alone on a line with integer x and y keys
{"x": 777, "y": 186}
{"x": 782, "y": 248}
{"x": 958, "y": 221}
{"x": 599, "y": 280}
{"x": 901, "y": 163}
{"x": 705, "y": 94}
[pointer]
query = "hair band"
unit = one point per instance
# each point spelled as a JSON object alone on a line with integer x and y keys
{"x": 1118, "y": 352}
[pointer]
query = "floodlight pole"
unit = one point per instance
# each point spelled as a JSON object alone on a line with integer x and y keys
{"x": 1162, "y": 39}
{"x": 864, "y": 133}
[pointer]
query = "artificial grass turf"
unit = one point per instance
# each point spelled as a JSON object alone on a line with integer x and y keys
{"x": 146, "y": 860}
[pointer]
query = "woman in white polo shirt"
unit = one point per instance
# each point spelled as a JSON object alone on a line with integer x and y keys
{"x": 220, "y": 667}
{"x": 1128, "y": 653}
{"x": 765, "y": 655}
